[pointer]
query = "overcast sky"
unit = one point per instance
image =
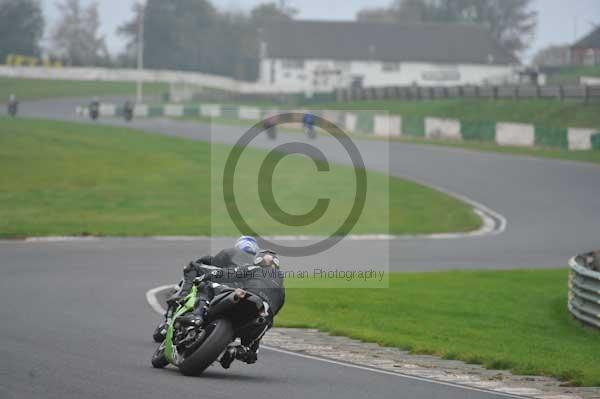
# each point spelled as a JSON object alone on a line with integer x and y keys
{"x": 560, "y": 21}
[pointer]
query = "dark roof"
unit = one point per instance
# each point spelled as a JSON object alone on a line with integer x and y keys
{"x": 449, "y": 43}
{"x": 592, "y": 40}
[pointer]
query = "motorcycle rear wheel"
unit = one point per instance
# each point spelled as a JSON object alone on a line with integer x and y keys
{"x": 210, "y": 349}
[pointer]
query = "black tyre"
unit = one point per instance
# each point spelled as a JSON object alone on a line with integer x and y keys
{"x": 218, "y": 339}
{"x": 159, "y": 361}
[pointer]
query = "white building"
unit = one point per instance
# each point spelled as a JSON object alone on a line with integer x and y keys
{"x": 315, "y": 56}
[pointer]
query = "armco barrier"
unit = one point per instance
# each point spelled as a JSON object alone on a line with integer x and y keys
{"x": 384, "y": 124}
{"x": 584, "y": 288}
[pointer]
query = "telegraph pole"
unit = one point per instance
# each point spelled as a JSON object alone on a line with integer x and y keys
{"x": 140, "y": 52}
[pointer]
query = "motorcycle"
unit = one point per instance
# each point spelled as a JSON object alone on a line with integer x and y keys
{"x": 310, "y": 132}
{"x": 160, "y": 332}
{"x": 12, "y": 108}
{"x": 270, "y": 125}
{"x": 94, "y": 111}
{"x": 231, "y": 314}
{"x": 272, "y": 132}
{"x": 128, "y": 112}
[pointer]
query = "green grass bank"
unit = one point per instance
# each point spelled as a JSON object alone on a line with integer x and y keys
{"x": 70, "y": 179}
{"x": 515, "y": 320}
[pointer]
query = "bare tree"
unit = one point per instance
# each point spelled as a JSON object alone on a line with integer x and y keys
{"x": 76, "y": 35}
{"x": 553, "y": 56}
{"x": 129, "y": 30}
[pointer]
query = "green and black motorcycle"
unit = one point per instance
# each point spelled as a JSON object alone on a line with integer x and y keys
{"x": 231, "y": 314}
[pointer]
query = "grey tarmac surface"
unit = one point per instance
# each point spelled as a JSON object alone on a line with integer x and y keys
{"x": 77, "y": 325}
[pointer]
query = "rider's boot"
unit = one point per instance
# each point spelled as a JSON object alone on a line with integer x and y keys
{"x": 248, "y": 355}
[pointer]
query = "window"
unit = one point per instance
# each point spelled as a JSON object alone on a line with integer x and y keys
{"x": 390, "y": 66}
{"x": 292, "y": 64}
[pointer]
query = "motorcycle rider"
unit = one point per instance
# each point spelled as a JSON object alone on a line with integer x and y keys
{"x": 128, "y": 110}
{"x": 308, "y": 120}
{"x": 13, "y": 104}
{"x": 242, "y": 253}
{"x": 94, "y": 109}
{"x": 270, "y": 125}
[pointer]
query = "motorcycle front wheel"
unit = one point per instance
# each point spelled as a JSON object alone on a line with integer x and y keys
{"x": 219, "y": 336}
{"x": 159, "y": 360}
{"x": 160, "y": 332}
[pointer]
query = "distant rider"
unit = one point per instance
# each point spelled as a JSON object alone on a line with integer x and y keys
{"x": 13, "y": 105}
{"x": 308, "y": 120}
{"x": 270, "y": 125}
{"x": 94, "y": 108}
{"x": 128, "y": 111}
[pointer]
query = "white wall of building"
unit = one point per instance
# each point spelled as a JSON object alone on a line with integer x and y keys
{"x": 325, "y": 75}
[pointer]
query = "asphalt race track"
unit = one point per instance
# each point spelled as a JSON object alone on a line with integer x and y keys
{"x": 77, "y": 325}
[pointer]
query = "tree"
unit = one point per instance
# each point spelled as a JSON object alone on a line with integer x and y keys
{"x": 178, "y": 34}
{"x": 511, "y": 22}
{"x": 21, "y": 27}
{"x": 193, "y": 35}
{"x": 270, "y": 11}
{"x": 129, "y": 30}
{"x": 400, "y": 11}
{"x": 76, "y": 35}
{"x": 377, "y": 14}
{"x": 553, "y": 56}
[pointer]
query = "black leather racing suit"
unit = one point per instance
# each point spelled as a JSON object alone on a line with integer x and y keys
{"x": 266, "y": 282}
{"x": 226, "y": 258}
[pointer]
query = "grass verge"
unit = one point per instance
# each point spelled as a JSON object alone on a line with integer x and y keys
{"x": 550, "y": 113}
{"x": 34, "y": 89}
{"x": 69, "y": 179}
{"x": 515, "y": 320}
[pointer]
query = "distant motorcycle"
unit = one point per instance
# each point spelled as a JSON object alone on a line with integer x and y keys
{"x": 270, "y": 125}
{"x": 94, "y": 110}
{"x": 13, "y": 107}
{"x": 128, "y": 112}
{"x": 309, "y": 126}
{"x": 310, "y": 132}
